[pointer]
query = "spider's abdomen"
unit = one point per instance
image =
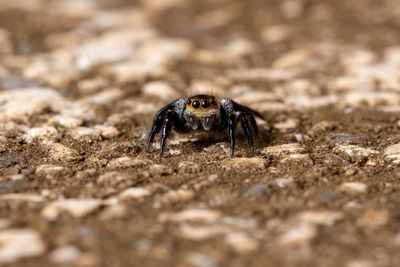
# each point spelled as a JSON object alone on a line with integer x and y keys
{"x": 202, "y": 111}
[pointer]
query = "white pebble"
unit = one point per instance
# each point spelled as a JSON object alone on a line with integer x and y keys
{"x": 76, "y": 207}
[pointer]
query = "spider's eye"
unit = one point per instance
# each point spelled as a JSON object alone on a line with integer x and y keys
{"x": 188, "y": 101}
{"x": 196, "y": 104}
{"x": 205, "y": 104}
{"x": 212, "y": 101}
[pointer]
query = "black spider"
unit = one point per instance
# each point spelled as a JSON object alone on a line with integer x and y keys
{"x": 204, "y": 112}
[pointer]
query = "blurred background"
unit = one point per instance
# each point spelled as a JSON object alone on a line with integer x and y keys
{"x": 80, "y": 81}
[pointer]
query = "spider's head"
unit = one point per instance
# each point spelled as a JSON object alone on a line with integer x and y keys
{"x": 201, "y": 111}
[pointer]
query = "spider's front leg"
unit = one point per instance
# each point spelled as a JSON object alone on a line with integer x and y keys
{"x": 164, "y": 120}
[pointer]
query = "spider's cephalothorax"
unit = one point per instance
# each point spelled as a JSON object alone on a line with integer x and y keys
{"x": 207, "y": 113}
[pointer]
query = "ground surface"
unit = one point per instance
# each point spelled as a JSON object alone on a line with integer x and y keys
{"x": 81, "y": 80}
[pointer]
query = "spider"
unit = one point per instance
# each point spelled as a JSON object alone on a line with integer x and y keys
{"x": 207, "y": 113}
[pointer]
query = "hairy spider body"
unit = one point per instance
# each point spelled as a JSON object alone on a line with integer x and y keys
{"x": 207, "y": 113}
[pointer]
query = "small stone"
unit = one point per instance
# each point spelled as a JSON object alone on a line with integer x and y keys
{"x": 65, "y": 121}
{"x": 287, "y": 125}
{"x": 256, "y": 191}
{"x": 191, "y": 215}
{"x": 322, "y": 127}
{"x": 275, "y": 33}
{"x": 354, "y": 153}
{"x": 292, "y": 59}
{"x": 282, "y": 182}
{"x": 373, "y": 218}
{"x": 107, "y": 131}
{"x": 263, "y": 74}
{"x": 356, "y": 99}
{"x": 161, "y": 90}
{"x": 114, "y": 211}
{"x": 158, "y": 169}
{"x": 197, "y": 259}
{"x": 321, "y": 217}
{"x": 292, "y": 9}
{"x": 22, "y": 197}
{"x": 189, "y": 166}
{"x": 125, "y": 162}
{"x": 135, "y": 193}
{"x": 50, "y": 171}
{"x": 241, "y": 243}
{"x": 257, "y": 163}
{"x": 298, "y": 235}
{"x": 360, "y": 263}
{"x": 279, "y": 150}
{"x": 92, "y": 85}
{"x": 45, "y": 135}
{"x": 13, "y": 240}
{"x": 65, "y": 255}
{"x": 22, "y": 110}
{"x": 84, "y": 133}
{"x": 354, "y": 187}
{"x": 178, "y": 195}
{"x": 76, "y": 207}
{"x": 302, "y": 159}
{"x": 392, "y": 153}
{"x": 200, "y": 233}
{"x": 59, "y": 152}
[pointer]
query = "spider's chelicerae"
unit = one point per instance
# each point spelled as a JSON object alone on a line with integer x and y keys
{"x": 207, "y": 113}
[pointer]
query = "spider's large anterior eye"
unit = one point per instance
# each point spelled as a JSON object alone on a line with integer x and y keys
{"x": 205, "y": 104}
{"x": 188, "y": 101}
{"x": 212, "y": 101}
{"x": 196, "y": 104}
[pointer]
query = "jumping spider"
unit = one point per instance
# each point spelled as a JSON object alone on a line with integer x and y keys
{"x": 207, "y": 113}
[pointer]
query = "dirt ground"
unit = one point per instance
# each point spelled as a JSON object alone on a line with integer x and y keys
{"x": 81, "y": 81}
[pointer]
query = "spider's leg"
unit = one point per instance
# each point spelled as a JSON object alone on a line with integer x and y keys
{"x": 157, "y": 124}
{"x": 253, "y": 124}
{"x": 231, "y": 132}
{"x": 246, "y": 130}
{"x": 165, "y": 132}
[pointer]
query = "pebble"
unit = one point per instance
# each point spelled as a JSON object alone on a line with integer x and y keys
{"x": 303, "y": 159}
{"x": 275, "y": 33}
{"x": 354, "y": 187}
{"x": 65, "y": 121}
{"x": 65, "y": 255}
{"x": 159, "y": 89}
{"x": 188, "y": 166}
{"x": 241, "y": 242}
{"x": 134, "y": 193}
{"x": 327, "y": 218}
{"x": 12, "y": 240}
{"x": 114, "y": 211}
{"x": 178, "y": 195}
{"x": 282, "y": 182}
{"x": 22, "y": 110}
{"x": 257, "y": 163}
{"x": 50, "y": 171}
{"x": 287, "y": 125}
{"x": 372, "y": 98}
{"x": 22, "y": 197}
{"x": 201, "y": 233}
{"x": 191, "y": 215}
{"x": 256, "y": 191}
{"x": 46, "y": 135}
{"x": 107, "y": 131}
{"x": 125, "y": 162}
{"x": 263, "y": 74}
{"x": 322, "y": 127}
{"x": 392, "y": 153}
{"x": 373, "y": 218}
{"x": 279, "y": 150}
{"x": 298, "y": 235}
{"x": 158, "y": 169}
{"x": 292, "y": 59}
{"x": 197, "y": 259}
{"x": 84, "y": 133}
{"x": 59, "y": 152}
{"x": 76, "y": 207}
{"x": 355, "y": 153}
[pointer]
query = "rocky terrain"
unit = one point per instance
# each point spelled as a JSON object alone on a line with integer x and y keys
{"x": 80, "y": 82}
